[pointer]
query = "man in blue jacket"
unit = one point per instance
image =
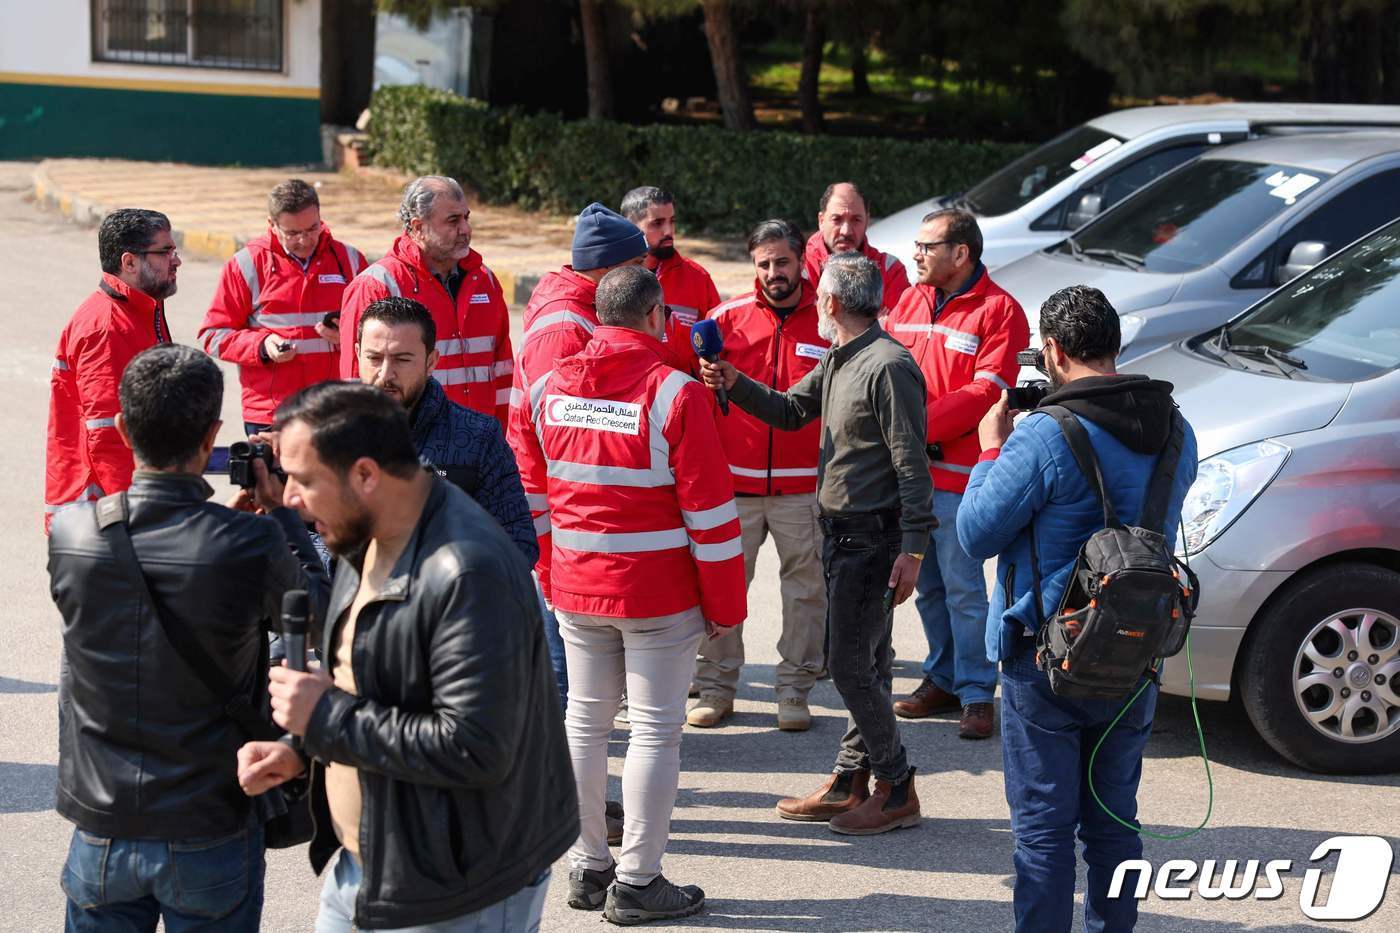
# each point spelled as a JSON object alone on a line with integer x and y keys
{"x": 396, "y": 344}
{"x": 1026, "y": 475}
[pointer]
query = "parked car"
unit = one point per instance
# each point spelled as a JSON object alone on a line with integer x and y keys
{"x": 1293, "y": 524}
{"x": 1194, "y": 248}
{"x": 1037, "y": 199}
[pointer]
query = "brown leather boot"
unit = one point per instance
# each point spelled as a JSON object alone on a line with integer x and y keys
{"x": 843, "y": 791}
{"x": 977, "y": 721}
{"x": 892, "y": 806}
{"x": 927, "y": 699}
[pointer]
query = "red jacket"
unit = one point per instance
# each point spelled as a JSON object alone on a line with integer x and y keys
{"x": 627, "y": 483}
{"x": 967, "y": 350}
{"x": 86, "y": 457}
{"x": 688, "y": 288}
{"x": 891, "y": 269}
{"x": 779, "y": 353}
{"x": 263, "y": 291}
{"x": 473, "y": 334}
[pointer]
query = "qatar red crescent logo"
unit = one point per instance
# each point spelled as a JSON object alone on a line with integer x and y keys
{"x": 555, "y": 408}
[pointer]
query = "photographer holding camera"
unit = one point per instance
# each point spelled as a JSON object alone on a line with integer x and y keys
{"x": 148, "y": 742}
{"x": 1029, "y": 503}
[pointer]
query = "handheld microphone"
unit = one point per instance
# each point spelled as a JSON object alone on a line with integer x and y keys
{"x": 294, "y": 619}
{"x": 709, "y": 344}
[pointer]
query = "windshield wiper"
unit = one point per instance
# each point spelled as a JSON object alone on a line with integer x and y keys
{"x": 963, "y": 203}
{"x": 1269, "y": 353}
{"x": 1075, "y": 249}
{"x": 1119, "y": 256}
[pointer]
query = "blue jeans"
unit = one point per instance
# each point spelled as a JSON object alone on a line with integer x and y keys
{"x": 952, "y": 604}
{"x": 555, "y": 644}
{"x": 1046, "y": 742}
{"x": 518, "y": 913}
{"x": 194, "y": 884}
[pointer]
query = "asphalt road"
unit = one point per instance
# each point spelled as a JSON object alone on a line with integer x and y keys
{"x": 760, "y": 873}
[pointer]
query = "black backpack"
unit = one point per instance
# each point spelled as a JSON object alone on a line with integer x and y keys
{"x": 1129, "y": 601}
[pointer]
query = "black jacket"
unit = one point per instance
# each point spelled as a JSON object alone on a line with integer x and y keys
{"x": 145, "y": 749}
{"x": 466, "y": 785}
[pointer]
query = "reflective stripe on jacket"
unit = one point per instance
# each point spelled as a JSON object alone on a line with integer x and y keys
{"x": 473, "y": 333}
{"x": 966, "y": 349}
{"x": 627, "y": 483}
{"x": 777, "y": 352}
{"x": 264, "y": 291}
{"x": 85, "y": 456}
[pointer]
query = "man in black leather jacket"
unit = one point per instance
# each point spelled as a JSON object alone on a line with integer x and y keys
{"x": 147, "y": 756}
{"x": 440, "y": 768}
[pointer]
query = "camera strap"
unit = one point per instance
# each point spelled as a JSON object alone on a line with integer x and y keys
{"x": 112, "y": 514}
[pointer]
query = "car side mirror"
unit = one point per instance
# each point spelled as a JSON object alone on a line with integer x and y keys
{"x": 1303, "y": 256}
{"x": 1089, "y": 206}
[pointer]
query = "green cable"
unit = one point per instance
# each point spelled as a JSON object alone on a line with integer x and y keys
{"x": 1200, "y": 735}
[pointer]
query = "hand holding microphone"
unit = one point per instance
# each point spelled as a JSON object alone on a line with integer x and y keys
{"x": 716, "y": 373}
{"x": 294, "y": 620}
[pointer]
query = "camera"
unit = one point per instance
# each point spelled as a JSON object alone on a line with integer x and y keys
{"x": 1028, "y": 396}
{"x": 241, "y": 455}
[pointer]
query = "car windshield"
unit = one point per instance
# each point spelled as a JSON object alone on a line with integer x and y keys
{"x": 1193, "y": 216}
{"x": 1340, "y": 318}
{"x": 1039, "y": 170}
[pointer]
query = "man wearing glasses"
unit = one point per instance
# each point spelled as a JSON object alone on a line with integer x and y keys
{"x": 276, "y": 308}
{"x": 964, "y": 332}
{"x": 86, "y": 458}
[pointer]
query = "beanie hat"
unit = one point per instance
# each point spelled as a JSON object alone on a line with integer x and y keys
{"x": 605, "y": 238}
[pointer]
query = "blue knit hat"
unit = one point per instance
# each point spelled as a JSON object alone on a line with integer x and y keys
{"x": 605, "y": 238}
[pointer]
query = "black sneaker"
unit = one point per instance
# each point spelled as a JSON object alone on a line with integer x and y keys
{"x": 588, "y": 889}
{"x": 660, "y": 900}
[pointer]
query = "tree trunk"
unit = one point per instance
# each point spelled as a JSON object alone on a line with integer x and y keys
{"x": 601, "y": 105}
{"x": 347, "y": 60}
{"x": 1341, "y": 53}
{"x": 860, "y": 68}
{"x": 730, "y": 79}
{"x": 808, "y": 85}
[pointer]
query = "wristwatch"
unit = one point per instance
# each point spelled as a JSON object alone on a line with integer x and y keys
{"x": 915, "y": 556}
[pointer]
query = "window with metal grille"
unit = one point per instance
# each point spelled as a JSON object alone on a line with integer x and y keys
{"x": 244, "y": 35}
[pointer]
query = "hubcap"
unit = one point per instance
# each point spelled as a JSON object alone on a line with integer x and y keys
{"x": 1344, "y": 676}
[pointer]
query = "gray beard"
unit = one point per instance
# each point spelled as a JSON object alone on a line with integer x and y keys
{"x": 826, "y": 328}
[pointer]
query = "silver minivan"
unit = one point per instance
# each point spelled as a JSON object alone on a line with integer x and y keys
{"x": 1194, "y": 248}
{"x": 1293, "y": 524}
{"x": 1060, "y": 185}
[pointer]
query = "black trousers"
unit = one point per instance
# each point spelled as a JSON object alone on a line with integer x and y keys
{"x": 860, "y": 652}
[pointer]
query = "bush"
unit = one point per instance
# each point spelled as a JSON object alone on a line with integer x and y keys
{"x": 724, "y": 180}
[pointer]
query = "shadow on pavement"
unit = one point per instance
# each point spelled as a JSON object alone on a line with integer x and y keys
{"x": 873, "y": 913}
{"x": 27, "y": 788}
{"x": 11, "y": 685}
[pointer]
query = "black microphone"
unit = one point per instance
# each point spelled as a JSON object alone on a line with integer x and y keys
{"x": 709, "y": 344}
{"x": 294, "y": 618}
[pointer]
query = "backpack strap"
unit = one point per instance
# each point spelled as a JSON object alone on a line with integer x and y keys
{"x": 1159, "y": 489}
{"x": 1083, "y": 450}
{"x": 112, "y": 514}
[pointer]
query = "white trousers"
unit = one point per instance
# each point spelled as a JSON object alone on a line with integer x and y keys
{"x": 653, "y": 659}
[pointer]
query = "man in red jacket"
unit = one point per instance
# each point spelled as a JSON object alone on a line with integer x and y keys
{"x": 434, "y": 264}
{"x": 86, "y": 458}
{"x": 842, "y": 218}
{"x": 274, "y": 309}
{"x": 964, "y": 332}
{"x": 771, "y": 334}
{"x": 688, "y": 287}
{"x": 622, "y": 459}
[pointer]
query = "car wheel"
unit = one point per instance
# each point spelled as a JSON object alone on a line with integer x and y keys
{"x": 1318, "y": 671}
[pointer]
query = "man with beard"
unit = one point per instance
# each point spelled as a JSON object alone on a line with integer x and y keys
{"x": 468, "y": 448}
{"x": 433, "y": 263}
{"x": 86, "y": 457}
{"x": 771, "y": 334}
{"x": 440, "y": 769}
{"x": 873, "y": 490}
{"x": 842, "y": 218}
{"x": 688, "y": 288}
{"x": 964, "y": 332}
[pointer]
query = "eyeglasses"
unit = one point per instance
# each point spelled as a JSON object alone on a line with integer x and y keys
{"x": 312, "y": 230}
{"x": 666, "y": 312}
{"x": 167, "y": 252}
{"x": 923, "y": 249}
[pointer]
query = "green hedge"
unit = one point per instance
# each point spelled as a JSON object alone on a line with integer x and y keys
{"x": 724, "y": 180}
